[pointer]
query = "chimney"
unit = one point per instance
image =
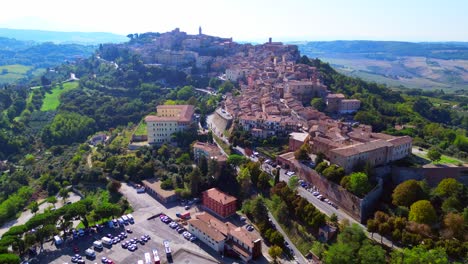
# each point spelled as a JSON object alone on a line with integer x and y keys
{"x": 269, "y": 40}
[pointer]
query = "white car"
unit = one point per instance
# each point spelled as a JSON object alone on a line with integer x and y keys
{"x": 315, "y": 193}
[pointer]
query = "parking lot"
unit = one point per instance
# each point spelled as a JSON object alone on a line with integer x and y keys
{"x": 144, "y": 207}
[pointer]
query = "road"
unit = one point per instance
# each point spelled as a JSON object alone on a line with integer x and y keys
{"x": 300, "y": 258}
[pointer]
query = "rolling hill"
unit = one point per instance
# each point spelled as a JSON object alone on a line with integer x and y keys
{"x": 426, "y": 65}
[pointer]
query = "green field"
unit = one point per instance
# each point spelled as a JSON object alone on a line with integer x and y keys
{"x": 141, "y": 129}
{"x": 52, "y": 100}
{"x": 13, "y": 72}
{"x": 443, "y": 160}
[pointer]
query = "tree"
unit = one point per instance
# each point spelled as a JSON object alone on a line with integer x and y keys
{"x": 319, "y": 104}
{"x": 334, "y": 173}
{"x": 106, "y": 210}
{"x": 277, "y": 176}
{"x": 419, "y": 254}
{"x": 226, "y": 87}
{"x": 371, "y": 254}
{"x": 293, "y": 182}
{"x": 352, "y": 234}
{"x": 339, "y": 253}
{"x": 244, "y": 179}
{"x": 185, "y": 93}
{"x": 455, "y": 224}
{"x": 64, "y": 193}
{"x": 434, "y": 155}
{"x": 372, "y": 226}
{"x": 236, "y": 159}
{"x": 275, "y": 251}
{"x": 303, "y": 152}
{"x": 114, "y": 186}
{"x": 451, "y": 204}
{"x": 448, "y": 187}
{"x": 259, "y": 210}
{"x": 318, "y": 249}
{"x": 422, "y": 212}
{"x": 359, "y": 184}
{"x": 407, "y": 192}
{"x": 8, "y": 258}
{"x": 321, "y": 166}
{"x": 319, "y": 158}
{"x": 195, "y": 180}
{"x": 384, "y": 230}
{"x": 52, "y": 200}
{"x": 34, "y": 207}
{"x": 263, "y": 181}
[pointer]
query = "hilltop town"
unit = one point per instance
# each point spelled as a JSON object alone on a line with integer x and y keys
{"x": 179, "y": 148}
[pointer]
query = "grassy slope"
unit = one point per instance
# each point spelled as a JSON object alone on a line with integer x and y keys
{"x": 52, "y": 100}
{"x": 141, "y": 129}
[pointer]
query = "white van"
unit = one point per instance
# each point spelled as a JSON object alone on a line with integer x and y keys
{"x": 130, "y": 218}
{"x": 125, "y": 218}
{"x": 58, "y": 240}
{"x": 90, "y": 253}
{"x": 97, "y": 244}
{"x": 106, "y": 241}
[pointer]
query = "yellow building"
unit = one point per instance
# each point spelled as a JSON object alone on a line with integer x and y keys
{"x": 168, "y": 120}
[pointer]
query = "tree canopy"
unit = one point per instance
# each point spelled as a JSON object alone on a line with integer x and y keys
{"x": 407, "y": 192}
{"x": 422, "y": 212}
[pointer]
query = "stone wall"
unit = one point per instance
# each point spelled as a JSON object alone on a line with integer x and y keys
{"x": 337, "y": 194}
{"x": 433, "y": 175}
{"x": 221, "y": 121}
{"x": 359, "y": 209}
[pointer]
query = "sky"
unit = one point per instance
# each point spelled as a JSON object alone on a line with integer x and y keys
{"x": 250, "y": 20}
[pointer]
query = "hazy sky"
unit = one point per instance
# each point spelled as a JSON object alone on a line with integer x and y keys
{"x": 411, "y": 20}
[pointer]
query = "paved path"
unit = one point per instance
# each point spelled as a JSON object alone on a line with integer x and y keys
{"x": 301, "y": 259}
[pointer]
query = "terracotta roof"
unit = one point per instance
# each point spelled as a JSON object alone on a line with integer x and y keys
{"x": 219, "y": 196}
{"x": 244, "y": 236}
{"x": 299, "y": 136}
{"x": 208, "y": 229}
{"x": 228, "y": 229}
{"x": 361, "y": 148}
{"x": 336, "y": 96}
{"x": 401, "y": 140}
{"x": 185, "y": 114}
{"x": 212, "y": 149}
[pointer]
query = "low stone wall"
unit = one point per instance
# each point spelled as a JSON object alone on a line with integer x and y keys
{"x": 139, "y": 138}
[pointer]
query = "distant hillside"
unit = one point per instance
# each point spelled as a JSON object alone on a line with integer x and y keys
{"x": 88, "y": 38}
{"x": 27, "y": 59}
{"x": 428, "y": 65}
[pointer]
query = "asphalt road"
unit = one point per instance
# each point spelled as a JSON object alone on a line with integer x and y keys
{"x": 300, "y": 258}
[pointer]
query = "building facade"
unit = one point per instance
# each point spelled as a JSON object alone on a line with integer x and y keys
{"x": 168, "y": 120}
{"x": 226, "y": 237}
{"x": 222, "y": 204}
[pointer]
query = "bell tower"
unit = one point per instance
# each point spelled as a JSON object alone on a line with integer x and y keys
{"x": 199, "y": 30}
